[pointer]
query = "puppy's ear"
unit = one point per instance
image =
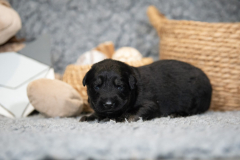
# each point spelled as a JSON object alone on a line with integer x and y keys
{"x": 132, "y": 81}
{"x": 85, "y": 79}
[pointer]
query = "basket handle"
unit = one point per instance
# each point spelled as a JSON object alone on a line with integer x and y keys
{"x": 156, "y": 18}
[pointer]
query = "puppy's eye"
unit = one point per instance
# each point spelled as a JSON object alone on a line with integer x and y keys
{"x": 120, "y": 88}
{"x": 97, "y": 84}
{"x": 96, "y": 87}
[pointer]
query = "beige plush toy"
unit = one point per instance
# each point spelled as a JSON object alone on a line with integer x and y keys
{"x": 126, "y": 54}
{"x": 107, "y": 48}
{"x": 10, "y": 21}
{"x": 102, "y": 51}
{"x": 54, "y": 98}
{"x": 91, "y": 57}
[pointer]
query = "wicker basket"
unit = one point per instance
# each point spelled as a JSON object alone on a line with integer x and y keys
{"x": 213, "y": 47}
{"x": 74, "y": 75}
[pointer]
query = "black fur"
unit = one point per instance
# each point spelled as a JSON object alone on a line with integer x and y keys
{"x": 166, "y": 87}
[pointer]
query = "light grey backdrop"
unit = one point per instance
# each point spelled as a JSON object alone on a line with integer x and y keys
{"x": 77, "y": 26}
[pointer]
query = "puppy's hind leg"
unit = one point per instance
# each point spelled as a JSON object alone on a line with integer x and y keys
{"x": 177, "y": 115}
{"x": 104, "y": 120}
{"x": 146, "y": 111}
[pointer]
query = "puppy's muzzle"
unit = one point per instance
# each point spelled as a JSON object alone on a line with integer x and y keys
{"x": 108, "y": 104}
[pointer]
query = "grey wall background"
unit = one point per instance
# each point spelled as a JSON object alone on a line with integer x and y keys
{"x": 77, "y": 26}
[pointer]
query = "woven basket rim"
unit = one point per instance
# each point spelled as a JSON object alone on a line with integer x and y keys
{"x": 152, "y": 11}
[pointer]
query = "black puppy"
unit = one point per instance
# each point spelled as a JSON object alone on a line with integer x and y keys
{"x": 166, "y": 87}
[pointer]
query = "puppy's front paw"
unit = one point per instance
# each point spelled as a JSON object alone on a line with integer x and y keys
{"x": 104, "y": 120}
{"x": 83, "y": 119}
{"x": 133, "y": 118}
{"x": 88, "y": 118}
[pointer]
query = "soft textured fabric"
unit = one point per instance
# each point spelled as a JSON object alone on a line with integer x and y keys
{"x": 10, "y": 22}
{"x": 107, "y": 48}
{"x": 91, "y": 57}
{"x": 5, "y": 3}
{"x": 54, "y": 98}
{"x": 126, "y": 54}
{"x": 77, "y": 26}
{"x": 212, "y": 135}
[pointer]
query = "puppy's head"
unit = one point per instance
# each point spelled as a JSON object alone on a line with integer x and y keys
{"x": 110, "y": 87}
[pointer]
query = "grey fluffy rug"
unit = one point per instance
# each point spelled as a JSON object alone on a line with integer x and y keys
{"x": 211, "y": 135}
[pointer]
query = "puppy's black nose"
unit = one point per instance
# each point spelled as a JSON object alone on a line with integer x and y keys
{"x": 108, "y": 104}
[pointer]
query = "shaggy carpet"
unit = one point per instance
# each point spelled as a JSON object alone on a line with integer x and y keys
{"x": 213, "y": 135}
